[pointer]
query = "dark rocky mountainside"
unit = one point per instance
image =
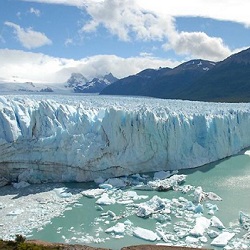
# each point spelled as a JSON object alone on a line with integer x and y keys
{"x": 200, "y": 80}
{"x": 162, "y": 83}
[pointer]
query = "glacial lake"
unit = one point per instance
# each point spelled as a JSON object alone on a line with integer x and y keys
{"x": 83, "y": 223}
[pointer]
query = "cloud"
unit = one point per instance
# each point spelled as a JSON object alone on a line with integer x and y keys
{"x": 126, "y": 20}
{"x": 29, "y": 38}
{"x": 40, "y": 68}
{"x": 133, "y": 20}
{"x": 199, "y": 45}
{"x": 226, "y": 10}
{"x": 35, "y": 11}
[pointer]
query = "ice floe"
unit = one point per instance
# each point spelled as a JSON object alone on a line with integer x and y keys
{"x": 145, "y": 234}
{"x": 222, "y": 239}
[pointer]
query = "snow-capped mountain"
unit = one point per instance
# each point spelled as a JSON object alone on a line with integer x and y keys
{"x": 75, "y": 80}
{"x": 80, "y": 84}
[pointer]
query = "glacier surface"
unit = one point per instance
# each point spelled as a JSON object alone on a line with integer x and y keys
{"x": 80, "y": 138}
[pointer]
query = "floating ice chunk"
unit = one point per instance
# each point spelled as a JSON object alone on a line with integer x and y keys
{"x": 145, "y": 234}
{"x": 201, "y": 225}
{"x": 212, "y": 207}
{"x": 199, "y": 209}
{"x": 99, "y": 208}
{"x": 191, "y": 240}
{"x": 161, "y": 175}
{"x": 162, "y": 217}
{"x": 145, "y": 209}
{"x": 93, "y": 193}
{"x": 166, "y": 184}
{"x": 216, "y": 222}
{"x": 60, "y": 192}
{"x": 185, "y": 188}
{"x": 119, "y": 228}
{"x": 106, "y": 186}
{"x": 244, "y": 220}
{"x": 203, "y": 239}
{"x": 105, "y": 200}
{"x": 162, "y": 235}
{"x": 212, "y": 196}
{"x": 131, "y": 194}
{"x": 247, "y": 236}
{"x": 212, "y": 234}
{"x": 199, "y": 195}
{"x": 247, "y": 152}
{"x": 189, "y": 206}
{"x": 15, "y": 212}
{"x": 21, "y": 184}
{"x": 223, "y": 239}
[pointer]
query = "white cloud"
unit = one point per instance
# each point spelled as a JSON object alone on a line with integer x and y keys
{"x": 199, "y": 45}
{"x": 126, "y": 20}
{"x": 29, "y": 38}
{"x": 35, "y": 11}
{"x": 37, "y": 67}
{"x": 227, "y": 10}
{"x": 154, "y": 21}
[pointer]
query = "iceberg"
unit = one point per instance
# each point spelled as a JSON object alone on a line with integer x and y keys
{"x": 145, "y": 234}
{"x": 119, "y": 228}
{"x": 201, "y": 225}
{"x": 216, "y": 222}
{"x": 71, "y": 138}
{"x": 222, "y": 239}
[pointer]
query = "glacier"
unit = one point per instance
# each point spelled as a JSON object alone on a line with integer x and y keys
{"x": 65, "y": 138}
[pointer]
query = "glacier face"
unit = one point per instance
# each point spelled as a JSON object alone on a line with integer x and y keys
{"x": 80, "y": 138}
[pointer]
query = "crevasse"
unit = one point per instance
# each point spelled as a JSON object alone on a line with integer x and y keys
{"x": 80, "y": 138}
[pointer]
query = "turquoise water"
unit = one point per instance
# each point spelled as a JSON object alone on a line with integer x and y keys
{"x": 83, "y": 223}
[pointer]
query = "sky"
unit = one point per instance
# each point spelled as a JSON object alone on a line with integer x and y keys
{"x": 44, "y": 41}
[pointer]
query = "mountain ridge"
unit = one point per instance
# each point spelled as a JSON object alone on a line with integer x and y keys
{"x": 196, "y": 80}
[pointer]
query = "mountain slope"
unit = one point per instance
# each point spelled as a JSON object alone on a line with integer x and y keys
{"x": 138, "y": 84}
{"x": 229, "y": 81}
{"x": 199, "y": 80}
{"x": 179, "y": 78}
{"x": 163, "y": 83}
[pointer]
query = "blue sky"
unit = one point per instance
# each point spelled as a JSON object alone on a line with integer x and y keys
{"x": 47, "y": 40}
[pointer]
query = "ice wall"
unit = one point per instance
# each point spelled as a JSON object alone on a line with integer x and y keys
{"x": 72, "y": 138}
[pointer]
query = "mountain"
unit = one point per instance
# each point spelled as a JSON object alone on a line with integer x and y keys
{"x": 80, "y": 84}
{"x": 135, "y": 84}
{"x": 75, "y": 80}
{"x": 229, "y": 81}
{"x": 162, "y": 83}
{"x": 198, "y": 80}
